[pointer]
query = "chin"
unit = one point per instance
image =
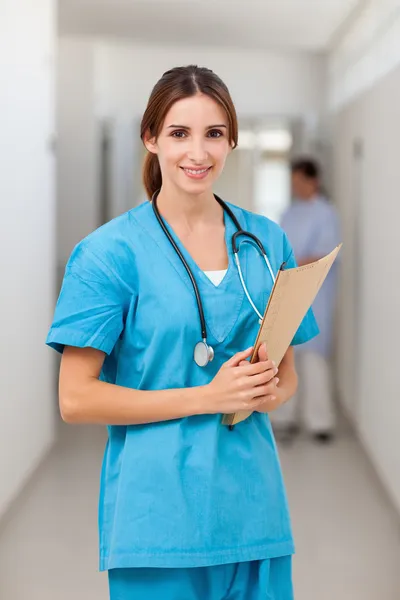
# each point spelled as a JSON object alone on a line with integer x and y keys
{"x": 195, "y": 188}
{"x": 198, "y": 190}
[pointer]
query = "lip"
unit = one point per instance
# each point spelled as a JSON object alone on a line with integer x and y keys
{"x": 196, "y": 172}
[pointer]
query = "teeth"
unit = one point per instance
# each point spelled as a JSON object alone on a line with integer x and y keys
{"x": 195, "y": 172}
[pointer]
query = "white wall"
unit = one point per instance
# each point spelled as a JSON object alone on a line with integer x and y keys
{"x": 27, "y": 241}
{"x": 77, "y": 174}
{"x": 366, "y": 52}
{"x": 367, "y": 192}
{"x": 261, "y": 83}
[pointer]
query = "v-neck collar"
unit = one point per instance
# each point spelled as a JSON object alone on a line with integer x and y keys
{"x": 198, "y": 273}
{"x": 230, "y": 285}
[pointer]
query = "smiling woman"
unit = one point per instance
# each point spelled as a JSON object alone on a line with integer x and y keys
{"x": 198, "y": 151}
{"x": 188, "y": 128}
{"x": 173, "y": 476}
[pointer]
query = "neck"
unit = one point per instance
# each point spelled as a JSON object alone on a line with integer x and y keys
{"x": 179, "y": 207}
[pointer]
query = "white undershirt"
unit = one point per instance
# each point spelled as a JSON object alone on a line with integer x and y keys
{"x": 216, "y": 276}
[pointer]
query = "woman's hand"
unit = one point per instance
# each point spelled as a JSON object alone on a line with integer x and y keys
{"x": 288, "y": 381}
{"x": 271, "y": 401}
{"x": 239, "y": 385}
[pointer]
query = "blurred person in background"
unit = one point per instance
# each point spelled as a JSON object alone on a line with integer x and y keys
{"x": 312, "y": 226}
{"x": 188, "y": 508}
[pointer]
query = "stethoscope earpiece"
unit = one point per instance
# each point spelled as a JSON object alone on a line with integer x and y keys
{"x": 203, "y": 353}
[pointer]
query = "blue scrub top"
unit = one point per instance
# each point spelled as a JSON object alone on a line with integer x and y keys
{"x": 313, "y": 230}
{"x": 187, "y": 492}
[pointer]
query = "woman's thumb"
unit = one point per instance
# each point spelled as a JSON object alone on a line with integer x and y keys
{"x": 262, "y": 352}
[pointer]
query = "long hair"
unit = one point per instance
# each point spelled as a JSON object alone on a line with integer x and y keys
{"x": 174, "y": 85}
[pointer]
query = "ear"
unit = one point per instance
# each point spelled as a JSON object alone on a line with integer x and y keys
{"x": 231, "y": 147}
{"x": 150, "y": 143}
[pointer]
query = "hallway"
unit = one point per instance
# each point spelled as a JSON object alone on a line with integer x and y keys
{"x": 348, "y": 537}
{"x": 315, "y": 80}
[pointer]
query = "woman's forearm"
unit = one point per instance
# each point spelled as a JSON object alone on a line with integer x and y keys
{"x": 287, "y": 386}
{"x": 104, "y": 403}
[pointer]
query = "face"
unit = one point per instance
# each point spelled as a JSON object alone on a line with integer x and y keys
{"x": 193, "y": 144}
{"x": 303, "y": 187}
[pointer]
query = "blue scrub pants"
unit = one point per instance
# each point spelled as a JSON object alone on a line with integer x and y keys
{"x": 257, "y": 580}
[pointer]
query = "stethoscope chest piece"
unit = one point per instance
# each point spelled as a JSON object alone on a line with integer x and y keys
{"x": 203, "y": 354}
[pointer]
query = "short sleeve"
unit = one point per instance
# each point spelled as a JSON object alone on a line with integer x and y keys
{"x": 308, "y": 328}
{"x": 90, "y": 307}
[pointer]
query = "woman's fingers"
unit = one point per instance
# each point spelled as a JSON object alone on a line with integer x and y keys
{"x": 266, "y": 405}
{"x": 264, "y": 378}
{"x": 237, "y": 358}
{"x": 240, "y": 385}
{"x": 256, "y": 368}
{"x": 259, "y": 401}
{"x": 267, "y": 389}
{"x": 240, "y": 360}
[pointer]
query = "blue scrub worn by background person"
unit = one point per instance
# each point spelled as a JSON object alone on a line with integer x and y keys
{"x": 189, "y": 492}
{"x": 312, "y": 227}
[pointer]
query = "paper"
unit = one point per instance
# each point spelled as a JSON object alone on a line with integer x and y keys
{"x": 291, "y": 297}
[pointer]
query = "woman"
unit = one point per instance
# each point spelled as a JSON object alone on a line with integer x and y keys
{"x": 189, "y": 509}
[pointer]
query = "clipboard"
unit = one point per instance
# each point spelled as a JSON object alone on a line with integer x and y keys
{"x": 293, "y": 293}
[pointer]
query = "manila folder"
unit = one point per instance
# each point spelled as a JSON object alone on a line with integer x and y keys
{"x": 292, "y": 295}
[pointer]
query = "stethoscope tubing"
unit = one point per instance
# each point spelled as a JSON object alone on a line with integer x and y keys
{"x": 236, "y": 235}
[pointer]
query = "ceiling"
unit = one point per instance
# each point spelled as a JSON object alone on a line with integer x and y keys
{"x": 308, "y": 25}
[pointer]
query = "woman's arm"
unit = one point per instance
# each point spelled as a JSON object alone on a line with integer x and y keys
{"x": 85, "y": 399}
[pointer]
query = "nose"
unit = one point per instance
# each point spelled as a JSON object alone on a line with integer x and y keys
{"x": 197, "y": 152}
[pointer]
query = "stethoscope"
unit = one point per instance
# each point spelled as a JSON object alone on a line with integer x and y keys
{"x": 203, "y": 352}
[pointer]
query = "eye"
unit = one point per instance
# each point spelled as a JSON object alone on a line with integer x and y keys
{"x": 179, "y": 134}
{"x": 215, "y": 133}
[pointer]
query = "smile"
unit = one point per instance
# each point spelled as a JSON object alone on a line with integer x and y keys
{"x": 196, "y": 173}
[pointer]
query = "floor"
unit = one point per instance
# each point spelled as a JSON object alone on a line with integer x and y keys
{"x": 347, "y": 534}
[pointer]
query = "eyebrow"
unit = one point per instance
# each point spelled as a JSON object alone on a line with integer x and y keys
{"x": 186, "y": 127}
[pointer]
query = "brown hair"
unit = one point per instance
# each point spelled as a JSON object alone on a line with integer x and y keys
{"x": 174, "y": 85}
